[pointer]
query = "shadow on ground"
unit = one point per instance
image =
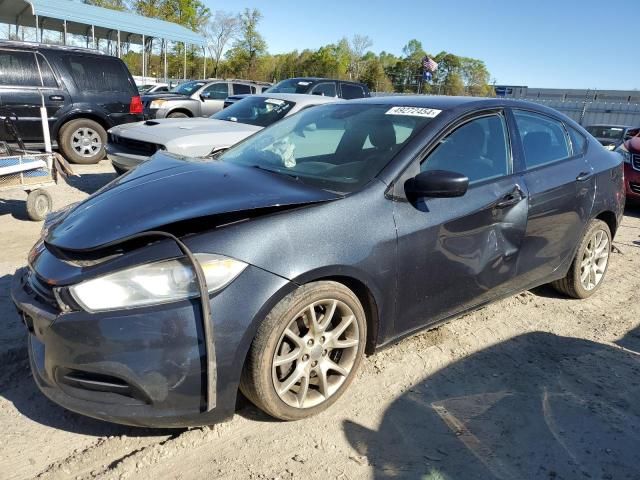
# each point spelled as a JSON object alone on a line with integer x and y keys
{"x": 536, "y": 406}
{"x": 90, "y": 182}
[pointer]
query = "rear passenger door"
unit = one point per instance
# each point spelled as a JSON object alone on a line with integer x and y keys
{"x": 561, "y": 192}
{"x": 56, "y": 98}
{"x": 20, "y": 94}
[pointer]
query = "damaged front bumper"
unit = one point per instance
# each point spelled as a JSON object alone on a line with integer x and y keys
{"x": 144, "y": 366}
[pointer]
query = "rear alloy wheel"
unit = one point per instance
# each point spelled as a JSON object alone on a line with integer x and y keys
{"x": 590, "y": 263}
{"x": 306, "y": 351}
{"x": 82, "y": 141}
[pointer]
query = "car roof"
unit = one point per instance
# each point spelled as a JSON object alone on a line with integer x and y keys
{"x": 319, "y": 79}
{"x": 441, "y": 102}
{"x": 15, "y": 44}
{"x": 299, "y": 98}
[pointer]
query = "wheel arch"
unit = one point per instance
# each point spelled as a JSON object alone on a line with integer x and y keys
{"x": 186, "y": 111}
{"x": 99, "y": 119}
{"x": 608, "y": 217}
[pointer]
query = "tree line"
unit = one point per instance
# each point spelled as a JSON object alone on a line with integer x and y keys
{"x": 236, "y": 49}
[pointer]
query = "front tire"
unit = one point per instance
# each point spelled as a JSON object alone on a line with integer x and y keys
{"x": 82, "y": 141}
{"x": 306, "y": 352}
{"x": 39, "y": 204}
{"x": 590, "y": 264}
{"x": 177, "y": 115}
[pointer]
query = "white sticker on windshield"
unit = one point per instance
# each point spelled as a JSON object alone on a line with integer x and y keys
{"x": 304, "y": 84}
{"x": 414, "y": 111}
{"x": 274, "y": 101}
{"x": 615, "y": 129}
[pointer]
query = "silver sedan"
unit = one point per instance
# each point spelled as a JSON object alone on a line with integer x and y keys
{"x": 133, "y": 143}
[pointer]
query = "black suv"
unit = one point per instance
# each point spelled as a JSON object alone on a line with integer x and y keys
{"x": 85, "y": 92}
{"x": 321, "y": 86}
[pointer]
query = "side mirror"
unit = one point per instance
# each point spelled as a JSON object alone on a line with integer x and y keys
{"x": 204, "y": 96}
{"x": 436, "y": 184}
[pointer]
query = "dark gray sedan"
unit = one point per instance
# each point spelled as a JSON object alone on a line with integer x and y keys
{"x": 275, "y": 267}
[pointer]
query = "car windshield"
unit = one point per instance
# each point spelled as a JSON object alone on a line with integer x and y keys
{"x": 335, "y": 147}
{"x": 290, "y": 86}
{"x": 145, "y": 88}
{"x": 613, "y": 133}
{"x": 187, "y": 88}
{"x": 259, "y": 111}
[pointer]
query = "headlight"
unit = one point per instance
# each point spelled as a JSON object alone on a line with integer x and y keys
{"x": 610, "y": 147}
{"x": 157, "y": 104}
{"x": 155, "y": 283}
{"x": 626, "y": 156}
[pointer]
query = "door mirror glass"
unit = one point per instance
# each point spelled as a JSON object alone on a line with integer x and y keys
{"x": 436, "y": 184}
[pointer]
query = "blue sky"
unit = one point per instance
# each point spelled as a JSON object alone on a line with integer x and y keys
{"x": 543, "y": 43}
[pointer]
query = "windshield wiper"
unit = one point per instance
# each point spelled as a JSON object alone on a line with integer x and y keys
{"x": 278, "y": 172}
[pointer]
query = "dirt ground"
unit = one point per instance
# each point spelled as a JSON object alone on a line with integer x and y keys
{"x": 535, "y": 386}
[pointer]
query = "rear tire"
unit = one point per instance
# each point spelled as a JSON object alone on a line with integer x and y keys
{"x": 177, "y": 115}
{"x": 39, "y": 204}
{"x": 589, "y": 266}
{"x": 306, "y": 352}
{"x": 82, "y": 141}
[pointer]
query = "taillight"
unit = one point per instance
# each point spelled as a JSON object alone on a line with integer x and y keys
{"x": 136, "y": 106}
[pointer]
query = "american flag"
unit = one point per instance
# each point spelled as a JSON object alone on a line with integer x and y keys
{"x": 429, "y": 65}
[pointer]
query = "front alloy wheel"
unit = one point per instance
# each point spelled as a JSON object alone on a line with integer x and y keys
{"x": 315, "y": 353}
{"x": 306, "y": 351}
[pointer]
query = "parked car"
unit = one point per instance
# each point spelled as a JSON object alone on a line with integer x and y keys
{"x": 321, "y": 86}
{"x": 630, "y": 151}
{"x": 197, "y": 98}
{"x": 85, "y": 92}
{"x": 331, "y": 233}
{"x": 610, "y": 136}
{"x": 130, "y": 145}
{"x": 152, "y": 88}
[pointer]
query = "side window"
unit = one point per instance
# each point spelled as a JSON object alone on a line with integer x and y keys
{"x": 578, "y": 142}
{"x": 217, "y": 91}
{"x": 350, "y": 91}
{"x": 544, "y": 139}
{"x": 478, "y": 149}
{"x": 325, "y": 89}
{"x": 98, "y": 73}
{"x": 240, "y": 89}
{"x": 19, "y": 69}
{"x": 48, "y": 78}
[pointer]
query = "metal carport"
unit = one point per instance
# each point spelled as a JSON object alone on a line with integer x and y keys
{"x": 76, "y": 17}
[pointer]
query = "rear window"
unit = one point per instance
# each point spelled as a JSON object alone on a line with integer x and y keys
{"x": 19, "y": 69}
{"x": 578, "y": 142}
{"x": 352, "y": 91}
{"x": 48, "y": 78}
{"x": 241, "y": 89}
{"x": 98, "y": 74}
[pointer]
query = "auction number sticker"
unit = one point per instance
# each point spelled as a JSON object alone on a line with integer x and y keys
{"x": 414, "y": 111}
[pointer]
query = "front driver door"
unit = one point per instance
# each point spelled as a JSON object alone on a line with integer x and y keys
{"x": 212, "y": 97}
{"x": 455, "y": 253}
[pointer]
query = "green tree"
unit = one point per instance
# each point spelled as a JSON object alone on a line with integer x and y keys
{"x": 112, "y": 4}
{"x": 453, "y": 85}
{"x": 249, "y": 46}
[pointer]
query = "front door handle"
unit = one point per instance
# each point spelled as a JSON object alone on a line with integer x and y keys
{"x": 584, "y": 176}
{"x": 511, "y": 198}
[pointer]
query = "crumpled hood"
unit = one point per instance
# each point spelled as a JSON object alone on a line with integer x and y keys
{"x": 169, "y": 189}
{"x": 194, "y": 137}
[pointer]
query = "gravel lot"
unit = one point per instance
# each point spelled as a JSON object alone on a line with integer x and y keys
{"x": 535, "y": 386}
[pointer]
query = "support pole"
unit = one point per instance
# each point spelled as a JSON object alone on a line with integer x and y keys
{"x": 166, "y": 76}
{"x": 93, "y": 36}
{"x": 204, "y": 66}
{"x": 37, "y": 27}
{"x": 64, "y": 40}
{"x": 185, "y": 60}
{"x": 119, "y": 47}
{"x": 144, "y": 68}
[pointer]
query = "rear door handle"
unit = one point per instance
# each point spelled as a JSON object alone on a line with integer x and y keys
{"x": 56, "y": 98}
{"x": 512, "y": 198}
{"x": 584, "y": 176}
